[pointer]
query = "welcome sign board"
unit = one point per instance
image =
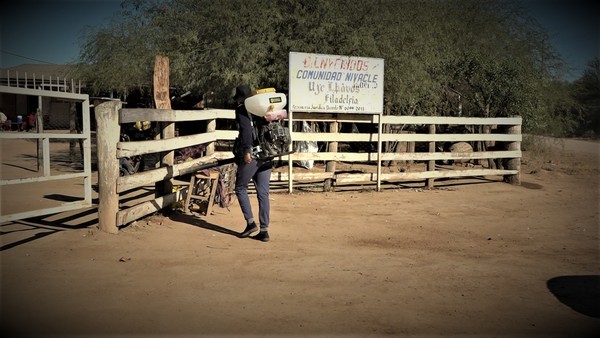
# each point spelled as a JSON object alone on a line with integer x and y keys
{"x": 335, "y": 84}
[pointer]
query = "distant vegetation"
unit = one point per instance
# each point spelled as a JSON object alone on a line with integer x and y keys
{"x": 450, "y": 58}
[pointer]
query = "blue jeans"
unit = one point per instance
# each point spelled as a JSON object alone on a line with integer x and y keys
{"x": 260, "y": 172}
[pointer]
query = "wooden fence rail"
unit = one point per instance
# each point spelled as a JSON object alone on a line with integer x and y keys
{"x": 110, "y": 116}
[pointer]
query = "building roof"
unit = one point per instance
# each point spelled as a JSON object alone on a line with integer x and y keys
{"x": 39, "y": 70}
{"x": 52, "y": 77}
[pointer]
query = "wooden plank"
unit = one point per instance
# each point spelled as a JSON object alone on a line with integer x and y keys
{"x": 44, "y": 93}
{"x": 68, "y": 206}
{"x": 369, "y": 157}
{"x": 410, "y": 120}
{"x": 419, "y": 176}
{"x": 131, "y": 148}
{"x": 144, "y": 178}
{"x": 350, "y": 157}
{"x": 226, "y": 135}
{"x": 451, "y": 120}
{"x": 43, "y": 178}
{"x": 364, "y": 137}
{"x": 333, "y": 137}
{"x": 64, "y": 136}
{"x": 310, "y": 176}
{"x": 451, "y": 137}
{"x": 146, "y": 208}
{"x": 131, "y": 115}
{"x": 332, "y": 117}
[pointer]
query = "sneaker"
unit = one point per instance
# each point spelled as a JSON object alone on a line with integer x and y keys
{"x": 250, "y": 228}
{"x": 262, "y": 236}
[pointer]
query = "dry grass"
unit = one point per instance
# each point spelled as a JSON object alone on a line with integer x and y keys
{"x": 548, "y": 154}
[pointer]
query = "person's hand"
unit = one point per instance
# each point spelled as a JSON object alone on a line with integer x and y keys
{"x": 247, "y": 158}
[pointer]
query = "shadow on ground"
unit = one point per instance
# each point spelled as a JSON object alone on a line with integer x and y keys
{"x": 580, "y": 293}
{"x": 20, "y": 232}
{"x": 195, "y": 221}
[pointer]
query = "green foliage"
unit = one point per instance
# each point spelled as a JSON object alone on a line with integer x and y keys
{"x": 586, "y": 91}
{"x": 468, "y": 58}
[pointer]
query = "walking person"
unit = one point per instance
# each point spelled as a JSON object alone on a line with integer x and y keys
{"x": 31, "y": 121}
{"x": 249, "y": 168}
{"x": 20, "y": 122}
{"x": 4, "y": 122}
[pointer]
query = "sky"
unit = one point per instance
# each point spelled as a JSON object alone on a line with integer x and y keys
{"x": 49, "y": 31}
{"x": 573, "y": 27}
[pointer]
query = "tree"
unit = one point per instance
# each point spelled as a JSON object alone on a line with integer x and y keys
{"x": 476, "y": 58}
{"x": 586, "y": 91}
{"x": 120, "y": 56}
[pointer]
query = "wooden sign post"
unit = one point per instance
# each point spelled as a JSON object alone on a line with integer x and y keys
{"x": 163, "y": 101}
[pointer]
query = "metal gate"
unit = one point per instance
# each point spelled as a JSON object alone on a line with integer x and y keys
{"x": 11, "y": 187}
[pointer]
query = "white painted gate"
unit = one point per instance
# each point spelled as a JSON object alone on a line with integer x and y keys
{"x": 10, "y": 187}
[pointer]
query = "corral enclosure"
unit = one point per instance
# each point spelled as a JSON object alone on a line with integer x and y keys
{"x": 501, "y": 135}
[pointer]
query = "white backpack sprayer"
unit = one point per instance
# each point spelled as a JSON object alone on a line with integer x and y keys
{"x": 271, "y": 139}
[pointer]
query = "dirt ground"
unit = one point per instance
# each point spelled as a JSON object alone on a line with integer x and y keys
{"x": 470, "y": 258}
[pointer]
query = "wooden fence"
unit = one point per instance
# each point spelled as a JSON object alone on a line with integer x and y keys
{"x": 109, "y": 116}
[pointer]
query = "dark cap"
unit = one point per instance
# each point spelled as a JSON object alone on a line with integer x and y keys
{"x": 242, "y": 92}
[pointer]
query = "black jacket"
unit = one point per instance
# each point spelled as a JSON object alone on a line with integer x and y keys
{"x": 246, "y": 138}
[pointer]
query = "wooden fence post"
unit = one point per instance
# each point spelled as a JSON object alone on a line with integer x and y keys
{"x": 211, "y": 126}
{"x": 431, "y": 163}
{"x": 514, "y": 163}
{"x": 332, "y": 148}
{"x": 73, "y": 129}
{"x": 411, "y": 149}
{"x": 379, "y": 145}
{"x": 488, "y": 145}
{"x": 108, "y": 132}
{"x": 163, "y": 101}
{"x": 39, "y": 128}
